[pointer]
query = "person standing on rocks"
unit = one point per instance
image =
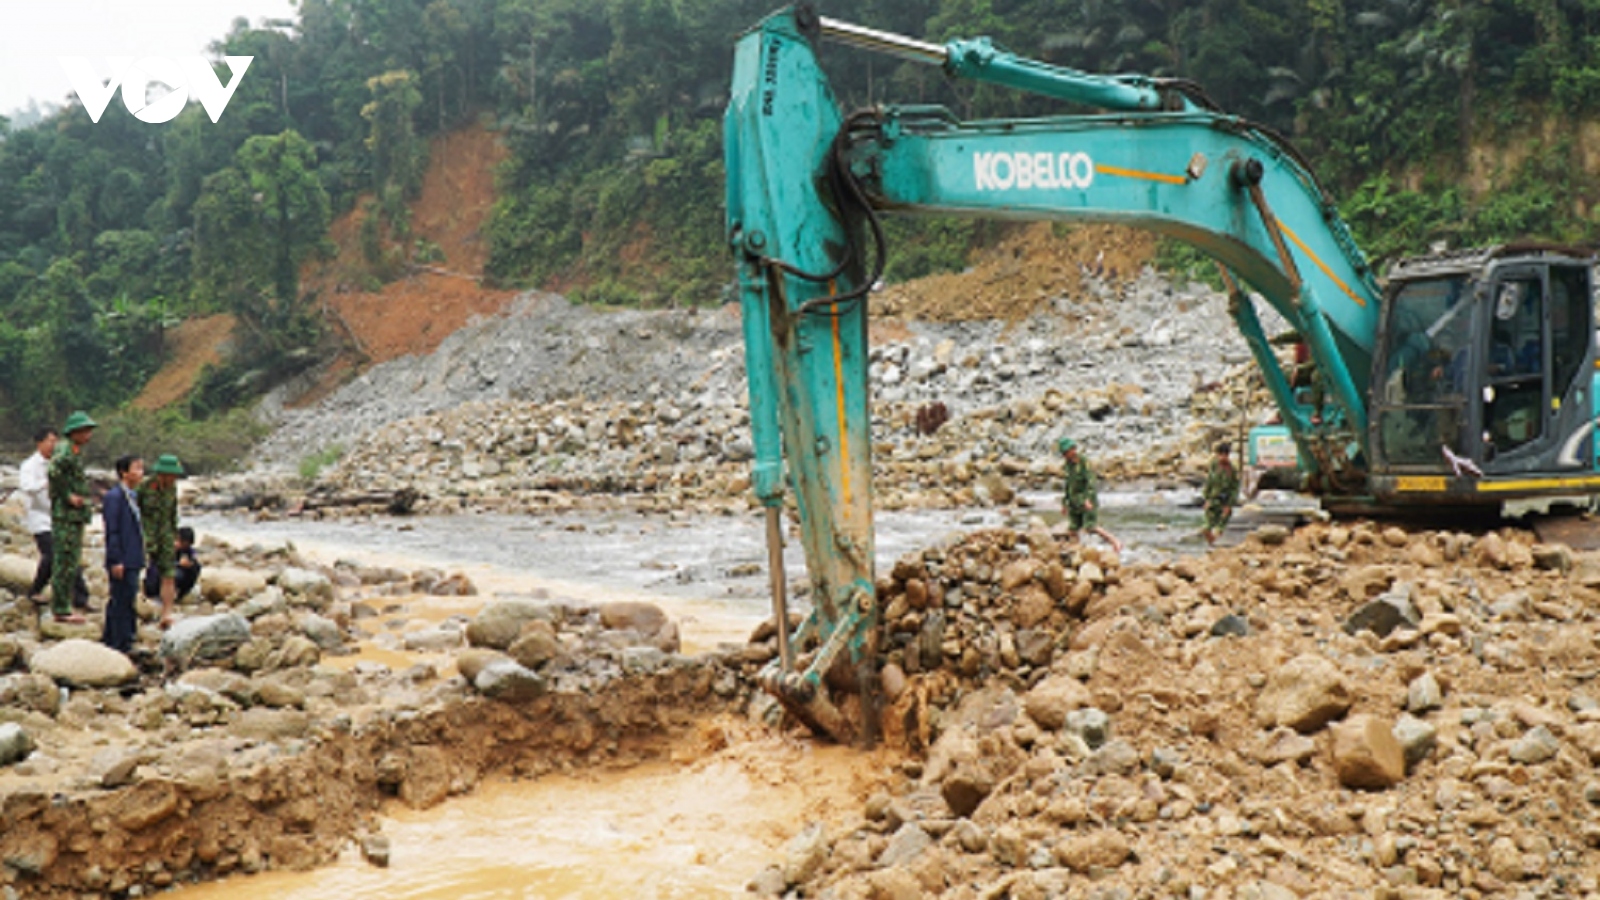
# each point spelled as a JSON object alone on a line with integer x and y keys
{"x": 1221, "y": 492}
{"x": 71, "y": 508}
{"x": 1080, "y": 502}
{"x": 125, "y": 556}
{"x": 34, "y": 485}
{"x": 158, "y": 511}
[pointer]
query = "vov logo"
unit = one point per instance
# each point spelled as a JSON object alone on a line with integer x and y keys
{"x": 184, "y": 76}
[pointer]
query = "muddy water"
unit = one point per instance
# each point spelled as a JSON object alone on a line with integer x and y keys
{"x": 709, "y": 572}
{"x": 701, "y": 826}
{"x": 665, "y": 830}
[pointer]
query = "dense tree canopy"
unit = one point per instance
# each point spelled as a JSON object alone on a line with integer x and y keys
{"x": 611, "y": 111}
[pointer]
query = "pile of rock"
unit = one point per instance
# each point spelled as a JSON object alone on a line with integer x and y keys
{"x": 562, "y": 427}
{"x": 1341, "y": 711}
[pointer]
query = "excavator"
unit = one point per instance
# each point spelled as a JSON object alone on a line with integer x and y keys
{"x": 1467, "y": 380}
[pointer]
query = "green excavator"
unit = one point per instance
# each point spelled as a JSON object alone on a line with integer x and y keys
{"x": 1467, "y": 381}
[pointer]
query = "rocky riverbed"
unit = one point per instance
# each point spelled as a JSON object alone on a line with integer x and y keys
{"x": 1341, "y": 711}
{"x": 552, "y": 405}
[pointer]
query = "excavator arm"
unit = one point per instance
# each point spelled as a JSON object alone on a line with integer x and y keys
{"x": 805, "y": 188}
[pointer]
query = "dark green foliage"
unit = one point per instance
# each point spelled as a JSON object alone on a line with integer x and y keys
{"x": 218, "y": 444}
{"x": 611, "y": 111}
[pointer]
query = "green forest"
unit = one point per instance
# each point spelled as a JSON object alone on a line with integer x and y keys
{"x": 1446, "y": 120}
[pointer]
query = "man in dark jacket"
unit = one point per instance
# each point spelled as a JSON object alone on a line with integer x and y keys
{"x": 124, "y": 554}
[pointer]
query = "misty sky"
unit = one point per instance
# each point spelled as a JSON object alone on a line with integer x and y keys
{"x": 35, "y": 33}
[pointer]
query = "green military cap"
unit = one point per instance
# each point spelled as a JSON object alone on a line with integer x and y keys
{"x": 77, "y": 421}
{"x": 167, "y": 465}
{"x": 1066, "y": 444}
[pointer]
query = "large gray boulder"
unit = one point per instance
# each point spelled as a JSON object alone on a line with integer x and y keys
{"x": 205, "y": 637}
{"x": 15, "y": 744}
{"x": 309, "y": 586}
{"x": 509, "y": 681}
{"x": 500, "y": 622}
{"x": 83, "y": 663}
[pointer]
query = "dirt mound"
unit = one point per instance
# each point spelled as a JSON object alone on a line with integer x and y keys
{"x": 1340, "y": 711}
{"x": 413, "y": 315}
{"x": 191, "y": 347}
{"x": 1022, "y": 274}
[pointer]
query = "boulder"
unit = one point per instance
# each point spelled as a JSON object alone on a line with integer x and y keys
{"x": 205, "y": 637}
{"x": 1383, "y": 615}
{"x": 645, "y": 620}
{"x": 1424, "y": 694}
{"x": 83, "y": 663}
{"x": 907, "y": 844}
{"x": 433, "y": 640}
{"x": 16, "y": 573}
{"x": 322, "y": 631}
{"x": 1305, "y": 694}
{"x": 267, "y": 602}
{"x": 1366, "y": 753}
{"x": 1417, "y": 739}
{"x": 53, "y": 629}
{"x": 223, "y": 584}
{"x": 508, "y": 681}
{"x": 31, "y": 691}
{"x": 297, "y": 650}
{"x": 1104, "y": 849}
{"x": 15, "y": 744}
{"x": 1053, "y": 698}
{"x": 472, "y": 661}
{"x": 263, "y": 724}
{"x": 9, "y": 651}
{"x": 500, "y": 622}
{"x": 537, "y": 645}
{"x": 307, "y": 585}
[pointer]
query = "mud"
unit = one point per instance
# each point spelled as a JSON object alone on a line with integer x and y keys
{"x": 697, "y": 825}
{"x": 301, "y": 801}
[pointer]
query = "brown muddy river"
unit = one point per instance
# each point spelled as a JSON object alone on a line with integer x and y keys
{"x": 699, "y": 827}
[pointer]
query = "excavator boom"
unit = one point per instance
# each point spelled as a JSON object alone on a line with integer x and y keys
{"x": 806, "y": 186}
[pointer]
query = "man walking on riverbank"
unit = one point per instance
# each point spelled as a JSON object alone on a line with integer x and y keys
{"x": 34, "y": 486}
{"x": 124, "y": 554}
{"x": 1080, "y": 502}
{"x": 71, "y": 508}
{"x": 1221, "y": 492}
{"x": 158, "y": 511}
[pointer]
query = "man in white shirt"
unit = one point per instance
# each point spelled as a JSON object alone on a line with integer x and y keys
{"x": 34, "y": 487}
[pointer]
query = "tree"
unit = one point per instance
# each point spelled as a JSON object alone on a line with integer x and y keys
{"x": 255, "y": 223}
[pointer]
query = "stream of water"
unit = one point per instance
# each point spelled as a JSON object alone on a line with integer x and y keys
{"x": 664, "y": 831}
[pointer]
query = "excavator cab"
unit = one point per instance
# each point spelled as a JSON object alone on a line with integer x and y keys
{"x": 1484, "y": 383}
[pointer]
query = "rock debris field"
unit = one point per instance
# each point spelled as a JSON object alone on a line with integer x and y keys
{"x": 1346, "y": 709}
{"x": 554, "y": 405}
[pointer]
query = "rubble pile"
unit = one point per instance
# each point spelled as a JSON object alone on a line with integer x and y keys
{"x": 552, "y": 400}
{"x": 694, "y": 452}
{"x": 265, "y": 728}
{"x": 1341, "y": 711}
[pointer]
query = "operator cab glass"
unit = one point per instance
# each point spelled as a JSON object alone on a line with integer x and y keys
{"x": 1487, "y": 373}
{"x": 1426, "y": 374}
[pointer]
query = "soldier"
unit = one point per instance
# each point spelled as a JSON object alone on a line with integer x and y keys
{"x": 1079, "y": 501}
{"x": 158, "y": 510}
{"x": 71, "y": 508}
{"x": 1221, "y": 493}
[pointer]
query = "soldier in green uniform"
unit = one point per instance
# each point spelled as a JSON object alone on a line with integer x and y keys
{"x": 1221, "y": 493}
{"x": 71, "y": 508}
{"x": 158, "y": 511}
{"x": 1080, "y": 503}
